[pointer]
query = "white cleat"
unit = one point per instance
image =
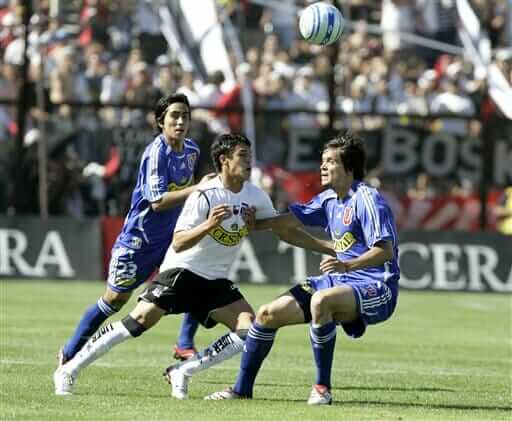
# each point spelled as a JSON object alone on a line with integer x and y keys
{"x": 320, "y": 395}
{"x": 226, "y": 394}
{"x": 178, "y": 381}
{"x": 63, "y": 382}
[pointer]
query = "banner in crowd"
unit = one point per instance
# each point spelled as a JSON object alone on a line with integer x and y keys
{"x": 59, "y": 248}
{"x": 403, "y": 151}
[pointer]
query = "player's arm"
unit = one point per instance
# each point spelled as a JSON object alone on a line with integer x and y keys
{"x": 183, "y": 240}
{"x": 299, "y": 237}
{"x": 288, "y": 228}
{"x": 172, "y": 199}
{"x": 278, "y": 223}
{"x": 377, "y": 255}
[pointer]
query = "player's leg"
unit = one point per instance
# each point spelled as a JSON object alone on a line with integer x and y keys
{"x": 327, "y": 307}
{"x": 238, "y": 317}
{"x": 184, "y": 348}
{"x": 221, "y": 303}
{"x": 144, "y": 316}
{"x": 107, "y": 305}
{"x": 283, "y": 311}
{"x": 127, "y": 270}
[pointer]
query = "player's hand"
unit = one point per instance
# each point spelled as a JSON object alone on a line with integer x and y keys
{"x": 332, "y": 264}
{"x": 249, "y": 217}
{"x": 206, "y": 178}
{"x": 218, "y": 214}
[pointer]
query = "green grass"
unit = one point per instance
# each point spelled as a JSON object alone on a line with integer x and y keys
{"x": 443, "y": 356}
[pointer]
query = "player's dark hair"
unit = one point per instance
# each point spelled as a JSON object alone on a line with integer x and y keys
{"x": 162, "y": 105}
{"x": 352, "y": 153}
{"x": 225, "y": 144}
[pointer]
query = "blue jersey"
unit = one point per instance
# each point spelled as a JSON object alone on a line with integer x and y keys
{"x": 161, "y": 170}
{"x": 355, "y": 223}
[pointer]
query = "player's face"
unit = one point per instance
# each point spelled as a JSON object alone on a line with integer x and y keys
{"x": 176, "y": 122}
{"x": 239, "y": 164}
{"x": 332, "y": 171}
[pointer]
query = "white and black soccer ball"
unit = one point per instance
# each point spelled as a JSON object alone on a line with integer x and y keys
{"x": 321, "y": 23}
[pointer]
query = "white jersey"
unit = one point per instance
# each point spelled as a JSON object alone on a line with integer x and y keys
{"x": 213, "y": 255}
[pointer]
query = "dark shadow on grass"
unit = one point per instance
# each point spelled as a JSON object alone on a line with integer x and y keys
{"x": 343, "y": 388}
{"x": 424, "y": 405}
{"x": 340, "y": 403}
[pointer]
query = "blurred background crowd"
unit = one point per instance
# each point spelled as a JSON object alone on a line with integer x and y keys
{"x": 96, "y": 68}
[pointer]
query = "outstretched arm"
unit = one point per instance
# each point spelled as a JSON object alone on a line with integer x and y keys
{"x": 288, "y": 228}
{"x": 301, "y": 238}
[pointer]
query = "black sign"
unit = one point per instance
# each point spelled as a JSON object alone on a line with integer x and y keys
{"x": 440, "y": 260}
{"x": 59, "y": 248}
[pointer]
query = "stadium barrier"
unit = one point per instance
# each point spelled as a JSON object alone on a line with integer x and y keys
{"x": 58, "y": 248}
{"x": 65, "y": 248}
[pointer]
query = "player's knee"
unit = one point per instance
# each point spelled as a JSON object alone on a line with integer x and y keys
{"x": 319, "y": 302}
{"x": 116, "y": 300}
{"x": 244, "y": 320}
{"x": 266, "y": 317}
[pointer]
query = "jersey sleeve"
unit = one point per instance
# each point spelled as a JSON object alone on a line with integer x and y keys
{"x": 156, "y": 177}
{"x": 264, "y": 206}
{"x": 195, "y": 211}
{"x": 312, "y": 213}
{"x": 375, "y": 217}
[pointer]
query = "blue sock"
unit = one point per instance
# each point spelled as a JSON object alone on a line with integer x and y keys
{"x": 89, "y": 323}
{"x": 257, "y": 346}
{"x": 187, "y": 331}
{"x": 323, "y": 339}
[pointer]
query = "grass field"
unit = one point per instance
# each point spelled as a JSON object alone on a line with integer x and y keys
{"x": 443, "y": 356}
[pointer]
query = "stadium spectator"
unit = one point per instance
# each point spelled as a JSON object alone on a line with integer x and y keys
{"x": 359, "y": 286}
{"x": 165, "y": 180}
{"x": 286, "y": 72}
{"x": 503, "y": 212}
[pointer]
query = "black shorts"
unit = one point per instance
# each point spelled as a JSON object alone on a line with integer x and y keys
{"x": 181, "y": 291}
{"x": 302, "y": 294}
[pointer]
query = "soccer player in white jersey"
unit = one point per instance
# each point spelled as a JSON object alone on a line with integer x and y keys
{"x": 193, "y": 274}
{"x": 164, "y": 181}
{"x": 358, "y": 288}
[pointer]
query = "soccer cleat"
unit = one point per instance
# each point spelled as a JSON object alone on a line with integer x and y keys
{"x": 178, "y": 381}
{"x": 183, "y": 354}
{"x": 320, "y": 395}
{"x": 223, "y": 395}
{"x": 63, "y": 382}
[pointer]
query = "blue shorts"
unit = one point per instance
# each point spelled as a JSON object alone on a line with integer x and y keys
{"x": 376, "y": 300}
{"x": 130, "y": 268}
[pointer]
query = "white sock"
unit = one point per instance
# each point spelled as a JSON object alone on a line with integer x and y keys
{"x": 223, "y": 348}
{"x": 99, "y": 344}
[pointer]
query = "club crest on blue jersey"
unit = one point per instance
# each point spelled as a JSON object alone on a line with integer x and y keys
{"x": 348, "y": 214}
{"x": 191, "y": 159}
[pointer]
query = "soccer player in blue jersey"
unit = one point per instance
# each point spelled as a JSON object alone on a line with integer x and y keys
{"x": 193, "y": 274}
{"x": 358, "y": 288}
{"x": 165, "y": 180}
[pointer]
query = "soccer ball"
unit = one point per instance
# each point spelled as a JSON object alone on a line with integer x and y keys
{"x": 321, "y": 23}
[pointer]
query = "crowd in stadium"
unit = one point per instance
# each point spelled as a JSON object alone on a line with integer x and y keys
{"x": 114, "y": 54}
